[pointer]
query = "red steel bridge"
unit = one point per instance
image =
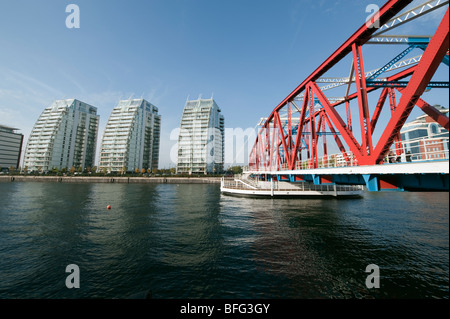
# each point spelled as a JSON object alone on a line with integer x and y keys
{"x": 292, "y": 142}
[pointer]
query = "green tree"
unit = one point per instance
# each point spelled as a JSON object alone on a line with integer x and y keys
{"x": 236, "y": 169}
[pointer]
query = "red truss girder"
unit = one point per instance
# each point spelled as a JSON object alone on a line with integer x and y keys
{"x": 276, "y": 147}
{"x": 432, "y": 57}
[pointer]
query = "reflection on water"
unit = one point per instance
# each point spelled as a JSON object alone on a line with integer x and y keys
{"x": 189, "y": 241}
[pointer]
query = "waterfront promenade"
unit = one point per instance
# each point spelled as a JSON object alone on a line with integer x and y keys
{"x": 111, "y": 179}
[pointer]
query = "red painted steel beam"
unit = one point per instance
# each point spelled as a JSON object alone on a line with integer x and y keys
{"x": 361, "y": 90}
{"x": 425, "y": 69}
{"x": 313, "y": 130}
{"x": 268, "y": 148}
{"x": 398, "y": 76}
{"x": 393, "y": 104}
{"x": 337, "y": 139}
{"x": 272, "y": 149}
{"x": 431, "y": 111}
{"x": 298, "y": 140}
{"x": 283, "y": 137}
{"x": 378, "y": 108}
{"x": 337, "y": 121}
{"x": 289, "y": 123}
{"x": 319, "y": 123}
{"x": 304, "y": 121}
{"x": 421, "y": 75}
{"x": 324, "y": 137}
{"x": 361, "y": 36}
{"x": 348, "y": 113}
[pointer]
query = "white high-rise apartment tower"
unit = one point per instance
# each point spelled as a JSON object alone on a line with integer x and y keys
{"x": 64, "y": 136}
{"x": 131, "y": 137}
{"x": 201, "y": 138}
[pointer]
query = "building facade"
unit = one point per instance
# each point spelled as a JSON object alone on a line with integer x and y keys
{"x": 131, "y": 138}
{"x": 201, "y": 138}
{"x": 10, "y": 147}
{"x": 64, "y": 136}
{"x": 425, "y": 139}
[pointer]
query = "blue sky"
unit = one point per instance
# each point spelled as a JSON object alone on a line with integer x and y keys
{"x": 249, "y": 54}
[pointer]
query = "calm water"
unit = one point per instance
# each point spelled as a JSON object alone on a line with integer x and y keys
{"x": 189, "y": 241}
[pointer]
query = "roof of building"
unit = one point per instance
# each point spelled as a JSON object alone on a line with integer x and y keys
{"x": 9, "y": 127}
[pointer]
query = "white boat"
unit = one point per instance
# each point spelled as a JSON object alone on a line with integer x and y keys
{"x": 255, "y": 188}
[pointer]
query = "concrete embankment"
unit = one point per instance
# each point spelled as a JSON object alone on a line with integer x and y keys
{"x": 105, "y": 179}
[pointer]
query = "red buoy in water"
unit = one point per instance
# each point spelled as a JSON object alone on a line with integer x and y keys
{"x": 108, "y": 207}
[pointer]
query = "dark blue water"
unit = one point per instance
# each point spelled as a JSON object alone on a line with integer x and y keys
{"x": 189, "y": 241}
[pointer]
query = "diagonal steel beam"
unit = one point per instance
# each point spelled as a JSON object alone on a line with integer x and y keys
{"x": 432, "y": 57}
{"x": 338, "y": 122}
{"x": 411, "y": 14}
{"x": 361, "y": 36}
{"x": 431, "y": 111}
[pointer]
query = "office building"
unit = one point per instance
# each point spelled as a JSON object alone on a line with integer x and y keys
{"x": 131, "y": 138}
{"x": 10, "y": 147}
{"x": 424, "y": 138}
{"x": 201, "y": 138}
{"x": 64, "y": 136}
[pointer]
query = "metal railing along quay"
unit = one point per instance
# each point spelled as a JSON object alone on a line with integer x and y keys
{"x": 414, "y": 150}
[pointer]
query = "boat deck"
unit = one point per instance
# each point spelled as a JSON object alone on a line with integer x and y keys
{"x": 277, "y": 188}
